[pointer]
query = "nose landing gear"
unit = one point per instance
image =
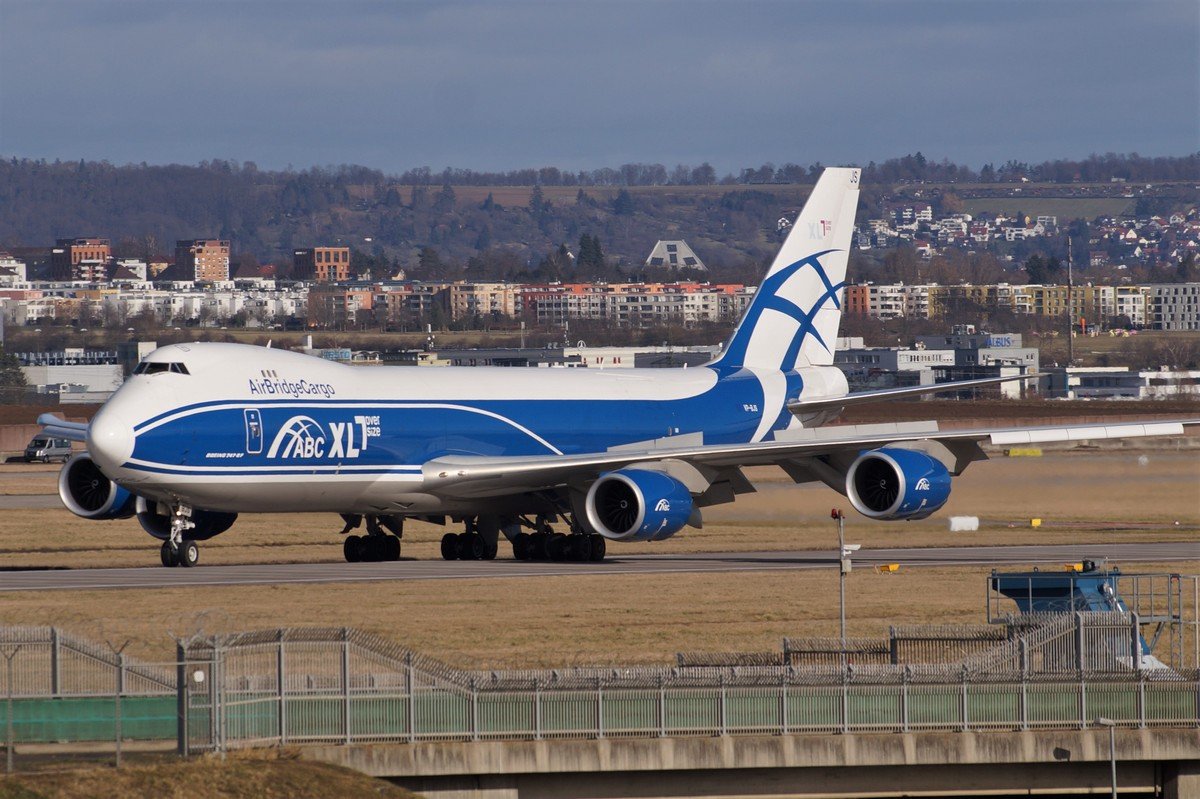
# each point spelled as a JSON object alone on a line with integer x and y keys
{"x": 177, "y": 550}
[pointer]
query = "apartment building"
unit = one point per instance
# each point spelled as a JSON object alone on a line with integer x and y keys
{"x": 202, "y": 260}
{"x": 1175, "y": 306}
{"x": 80, "y": 259}
{"x": 322, "y": 264}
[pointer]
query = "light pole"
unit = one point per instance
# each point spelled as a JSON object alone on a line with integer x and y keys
{"x": 1070, "y": 305}
{"x": 844, "y": 567}
{"x": 1112, "y": 749}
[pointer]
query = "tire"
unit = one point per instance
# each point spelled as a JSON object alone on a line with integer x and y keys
{"x": 599, "y": 548}
{"x": 167, "y": 555}
{"x": 521, "y": 546}
{"x": 490, "y": 550}
{"x": 189, "y": 553}
{"x": 471, "y": 546}
{"x": 557, "y": 547}
{"x": 581, "y": 548}
{"x": 392, "y": 548}
{"x": 450, "y": 547}
{"x": 352, "y": 549}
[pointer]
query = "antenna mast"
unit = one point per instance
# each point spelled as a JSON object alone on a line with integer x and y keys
{"x": 1070, "y": 304}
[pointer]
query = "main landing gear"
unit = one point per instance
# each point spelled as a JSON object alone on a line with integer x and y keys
{"x": 177, "y": 550}
{"x": 480, "y": 540}
{"x": 381, "y": 543}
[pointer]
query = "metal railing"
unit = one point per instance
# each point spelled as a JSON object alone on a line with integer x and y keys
{"x": 339, "y": 685}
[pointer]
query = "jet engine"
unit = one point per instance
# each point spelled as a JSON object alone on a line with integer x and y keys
{"x": 894, "y": 483}
{"x": 86, "y": 492}
{"x": 638, "y": 505}
{"x": 208, "y": 523}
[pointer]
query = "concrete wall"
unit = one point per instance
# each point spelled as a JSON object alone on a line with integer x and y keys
{"x": 14, "y": 437}
{"x": 960, "y": 764}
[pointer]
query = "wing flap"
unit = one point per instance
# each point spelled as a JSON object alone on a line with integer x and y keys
{"x": 1043, "y": 435}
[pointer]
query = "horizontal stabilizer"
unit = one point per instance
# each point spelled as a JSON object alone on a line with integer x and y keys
{"x": 61, "y": 428}
{"x": 803, "y": 406}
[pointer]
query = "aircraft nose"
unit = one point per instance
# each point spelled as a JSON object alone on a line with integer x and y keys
{"x": 110, "y": 438}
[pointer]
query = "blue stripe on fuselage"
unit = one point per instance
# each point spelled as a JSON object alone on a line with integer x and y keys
{"x": 326, "y": 434}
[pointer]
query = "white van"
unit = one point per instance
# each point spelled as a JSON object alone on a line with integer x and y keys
{"x": 45, "y": 449}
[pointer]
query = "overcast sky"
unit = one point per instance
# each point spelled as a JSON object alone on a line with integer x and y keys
{"x": 580, "y": 85}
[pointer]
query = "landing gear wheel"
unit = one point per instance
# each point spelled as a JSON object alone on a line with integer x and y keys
{"x": 537, "y": 546}
{"x": 392, "y": 548}
{"x": 471, "y": 546}
{"x": 490, "y": 551}
{"x": 167, "y": 554}
{"x": 599, "y": 547}
{"x": 557, "y": 546}
{"x": 450, "y": 546}
{"x": 522, "y": 546}
{"x": 581, "y": 548}
{"x": 352, "y": 548}
{"x": 188, "y": 554}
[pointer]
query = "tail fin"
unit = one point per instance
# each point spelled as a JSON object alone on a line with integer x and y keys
{"x": 793, "y": 319}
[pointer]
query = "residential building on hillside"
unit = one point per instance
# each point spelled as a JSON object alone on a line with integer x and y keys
{"x": 322, "y": 264}
{"x": 202, "y": 260}
{"x": 80, "y": 259}
{"x": 674, "y": 255}
{"x": 468, "y": 300}
{"x": 1175, "y": 306}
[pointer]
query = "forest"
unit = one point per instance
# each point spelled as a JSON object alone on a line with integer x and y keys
{"x": 437, "y": 225}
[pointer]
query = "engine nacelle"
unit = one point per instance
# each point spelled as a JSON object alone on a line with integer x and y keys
{"x": 638, "y": 505}
{"x": 894, "y": 483}
{"x": 208, "y": 523}
{"x": 86, "y": 492}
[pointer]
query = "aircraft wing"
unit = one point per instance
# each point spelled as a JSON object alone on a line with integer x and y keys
{"x": 800, "y": 407}
{"x": 476, "y": 476}
{"x": 60, "y": 428}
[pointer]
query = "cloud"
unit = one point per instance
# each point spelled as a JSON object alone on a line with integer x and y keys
{"x": 587, "y": 84}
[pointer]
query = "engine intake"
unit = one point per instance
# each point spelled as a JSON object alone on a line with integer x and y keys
{"x": 638, "y": 505}
{"x": 895, "y": 483}
{"x": 86, "y": 492}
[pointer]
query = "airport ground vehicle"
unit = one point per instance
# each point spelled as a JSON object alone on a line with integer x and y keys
{"x": 46, "y": 448}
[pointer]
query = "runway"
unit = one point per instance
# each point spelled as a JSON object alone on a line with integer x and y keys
{"x": 1126, "y": 555}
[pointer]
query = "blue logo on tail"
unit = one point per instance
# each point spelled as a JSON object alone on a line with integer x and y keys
{"x": 734, "y": 356}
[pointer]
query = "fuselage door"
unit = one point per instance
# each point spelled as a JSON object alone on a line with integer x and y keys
{"x": 254, "y": 432}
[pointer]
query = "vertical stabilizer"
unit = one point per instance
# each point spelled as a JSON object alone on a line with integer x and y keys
{"x": 793, "y": 318}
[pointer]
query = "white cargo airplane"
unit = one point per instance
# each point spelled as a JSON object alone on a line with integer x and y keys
{"x": 202, "y": 432}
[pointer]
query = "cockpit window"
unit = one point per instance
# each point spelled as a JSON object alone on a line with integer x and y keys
{"x": 154, "y": 367}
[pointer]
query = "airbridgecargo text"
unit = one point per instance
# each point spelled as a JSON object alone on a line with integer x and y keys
{"x": 290, "y": 388}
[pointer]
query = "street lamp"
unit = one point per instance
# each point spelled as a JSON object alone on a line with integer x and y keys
{"x": 1112, "y": 749}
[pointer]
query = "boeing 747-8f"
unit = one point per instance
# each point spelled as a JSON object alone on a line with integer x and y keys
{"x": 202, "y": 432}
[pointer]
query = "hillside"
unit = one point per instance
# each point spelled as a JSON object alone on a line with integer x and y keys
{"x": 501, "y": 225}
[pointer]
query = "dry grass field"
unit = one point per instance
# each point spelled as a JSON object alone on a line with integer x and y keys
{"x": 1081, "y": 496}
{"x": 250, "y": 775}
